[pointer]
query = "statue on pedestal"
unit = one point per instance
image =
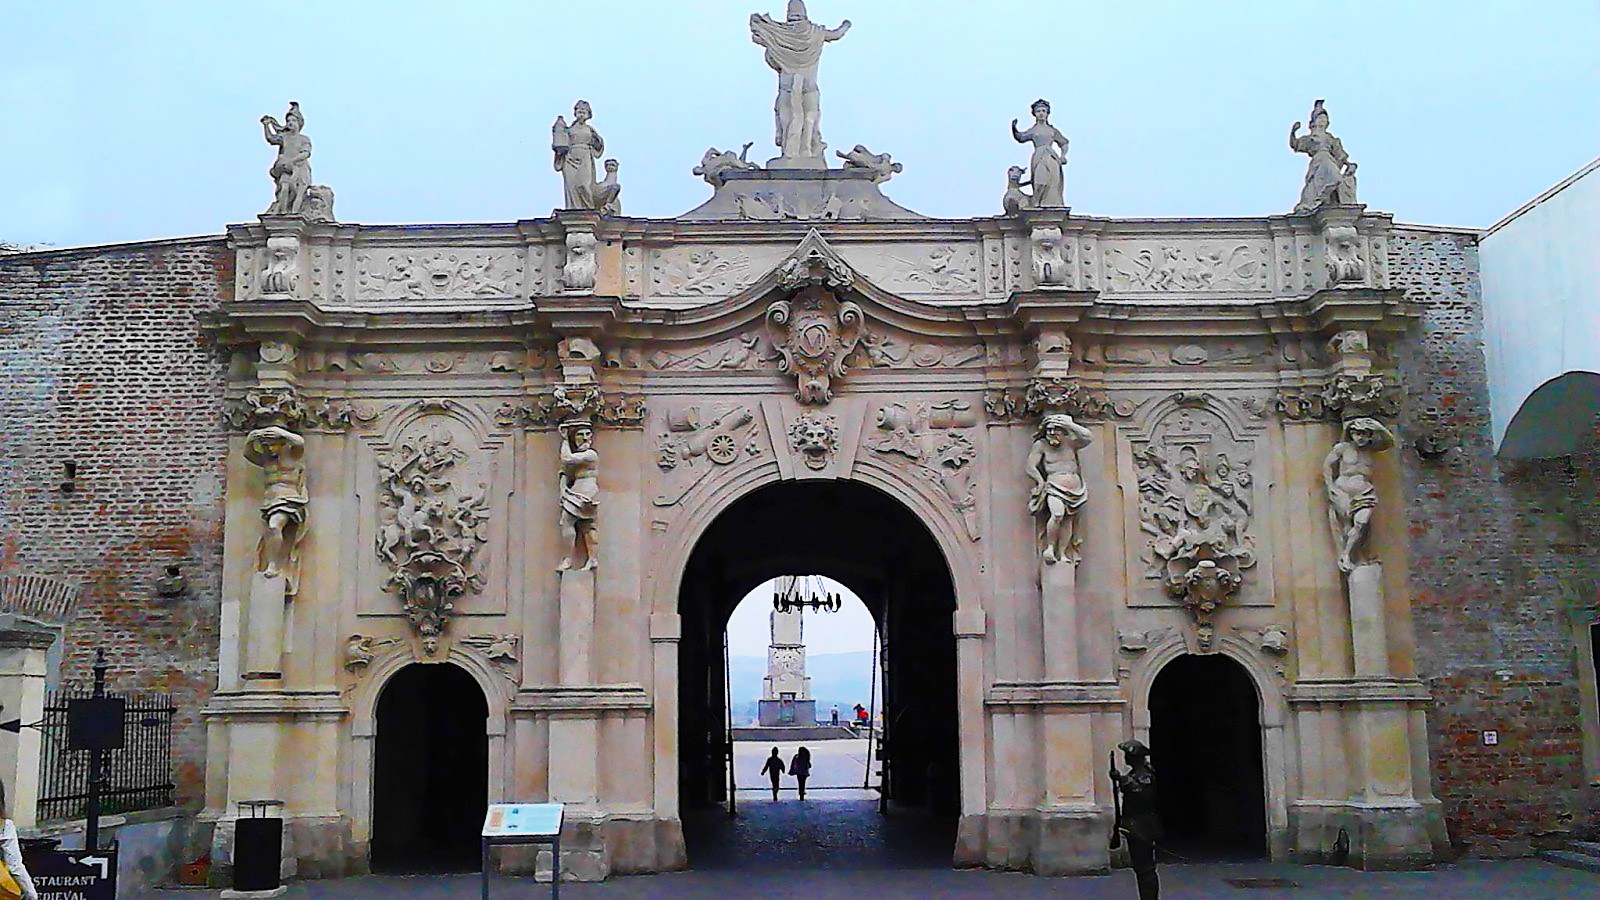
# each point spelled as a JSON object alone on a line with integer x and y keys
{"x": 794, "y": 50}
{"x": 1330, "y": 176}
{"x": 1045, "y": 168}
{"x": 1058, "y": 488}
{"x": 1137, "y": 816}
{"x": 291, "y": 171}
{"x": 281, "y": 455}
{"x": 580, "y": 494}
{"x": 1347, "y": 472}
{"x": 577, "y": 147}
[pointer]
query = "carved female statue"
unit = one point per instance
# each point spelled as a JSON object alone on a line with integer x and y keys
{"x": 1352, "y": 496}
{"x": 576, "y": 147}
{"x": 1046, "y": 174}
{"x": 580, "y": 493}
{"x": 1330, "y": 176}
{"x": 291, "y": 171}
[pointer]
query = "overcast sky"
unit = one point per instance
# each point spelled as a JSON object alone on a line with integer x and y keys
{"x": 849, "y": 629}
{"x": 128, "y": 121}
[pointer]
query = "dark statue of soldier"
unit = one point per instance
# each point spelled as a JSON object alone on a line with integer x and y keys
{"x": 1137, "y": 817}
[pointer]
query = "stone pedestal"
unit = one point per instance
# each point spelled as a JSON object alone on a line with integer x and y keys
{"x": 23, "y": 665}
{"x": 1368, "y": 636}
{"x": 263, "y": 648}
{"x": 1059, "y": 595}
{"x": 791, "y": 193}
{"x": 577, "y": 625}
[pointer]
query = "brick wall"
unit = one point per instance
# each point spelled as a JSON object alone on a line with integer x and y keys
{"x": 1493, "y": 548}
{"x": 102, "y": 362}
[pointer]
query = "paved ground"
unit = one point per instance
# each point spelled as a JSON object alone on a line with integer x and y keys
{"x": 836, "y": 845}
{"x": 833, "y": 764}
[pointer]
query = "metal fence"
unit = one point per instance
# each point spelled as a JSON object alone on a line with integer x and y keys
{"x": 139, "y": 776}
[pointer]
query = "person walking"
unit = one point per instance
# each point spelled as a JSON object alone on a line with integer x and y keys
{"x": 800, "y": 768}
{"x": 834, "y": 716}
{"x": 14, "y": 879}
{"x": 773, "y": 769}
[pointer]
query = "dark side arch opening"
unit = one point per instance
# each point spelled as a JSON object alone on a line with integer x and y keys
{"x": 865, "y": 539}
{"x": 430, "y": 784}
{"x": 1205, "y": 745}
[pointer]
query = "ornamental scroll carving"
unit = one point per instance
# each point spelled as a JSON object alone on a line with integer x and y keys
{"x": 814, "y": 335}
{"x": 1195, "y": 509}
{"x": 430, "y": 529}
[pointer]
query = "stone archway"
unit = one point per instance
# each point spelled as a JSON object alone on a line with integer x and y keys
{"x": 862, "y": 536}
{"x": 430, "y": 770}
{"x": 1206, "y": 739}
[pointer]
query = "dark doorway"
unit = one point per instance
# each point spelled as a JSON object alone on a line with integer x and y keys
{"x": 430, "y": 771}
{"x": 861, "y": 537}
{"x": 1205, "y": 745}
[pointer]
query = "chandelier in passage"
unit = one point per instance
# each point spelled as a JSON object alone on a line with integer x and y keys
{"x": 792, "y": 592}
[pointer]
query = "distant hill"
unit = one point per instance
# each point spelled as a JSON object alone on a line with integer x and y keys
{"x": 844, "y": 679}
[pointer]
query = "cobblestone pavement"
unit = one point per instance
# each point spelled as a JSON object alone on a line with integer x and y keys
{"x": 836, "y": 845}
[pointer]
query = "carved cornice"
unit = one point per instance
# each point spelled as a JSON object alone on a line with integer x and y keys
{"x": 1347, "y": 396}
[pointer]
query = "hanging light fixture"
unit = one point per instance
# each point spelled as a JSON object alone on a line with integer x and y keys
{"x": 811, "y": 594}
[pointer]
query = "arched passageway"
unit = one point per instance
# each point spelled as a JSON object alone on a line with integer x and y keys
{"x": 430, "y": 771}
{"x": 1205, "y": 745}
{"x": 863, "y": 538}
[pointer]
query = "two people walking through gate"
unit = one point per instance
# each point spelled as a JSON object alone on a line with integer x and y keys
{"x": 799, "y": 766}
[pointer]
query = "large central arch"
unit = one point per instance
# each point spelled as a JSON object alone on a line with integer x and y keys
{"x": 859, "y": 535}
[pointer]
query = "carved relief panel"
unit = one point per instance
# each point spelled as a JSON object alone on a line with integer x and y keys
{"x": 934, "y": 441}
{"x": 431, "y": 540}
{"x": 1198, "y": 529}
{"x": 952, "y": 269}
{"x": 1187, "y": 266}
{"x": 699, "y": 273}
{"x": 421, "y": 276}
{"x": 694, "y": 440}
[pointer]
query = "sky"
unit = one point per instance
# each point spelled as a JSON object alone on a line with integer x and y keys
{"x": 845, "y": 631}
{"x": 124, "y": 121}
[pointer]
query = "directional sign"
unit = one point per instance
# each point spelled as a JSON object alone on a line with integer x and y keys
{"x": 74, "y": 874}
{"x": 522, "y": 820}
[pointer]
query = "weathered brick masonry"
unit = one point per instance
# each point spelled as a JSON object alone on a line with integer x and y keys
{"x": 102, "y": 362}
{"x": 1495, "y": 547}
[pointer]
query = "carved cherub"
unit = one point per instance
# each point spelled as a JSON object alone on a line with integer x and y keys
{"x": 716, "y": 164}
{"x": 879, "y": 164}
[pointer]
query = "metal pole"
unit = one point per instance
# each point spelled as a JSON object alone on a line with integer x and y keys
{"x": 872, "y": 702}
{"x": 727, "y": 743}
{"x": 96, "y": 762}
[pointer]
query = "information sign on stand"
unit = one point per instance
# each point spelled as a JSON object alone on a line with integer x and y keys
{"x": 524, "y": 823}
{"x": 74, "y": 874}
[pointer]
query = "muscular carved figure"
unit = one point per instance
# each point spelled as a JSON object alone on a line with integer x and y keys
{"x": 281, "y": 455}
{"x": 580, "y": 492}
{"x": 1058, "y": 487}
{"x": 1347, "y": 472}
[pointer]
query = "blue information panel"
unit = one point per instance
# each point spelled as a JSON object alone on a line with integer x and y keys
{"x": 522, "y": 820}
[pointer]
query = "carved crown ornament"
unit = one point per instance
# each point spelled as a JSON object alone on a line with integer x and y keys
{"x": 283, "y": 407}
{"x": 569, "y": 401}
{"x": 1053, "y": 394}
{"x": 1346, "y": 396}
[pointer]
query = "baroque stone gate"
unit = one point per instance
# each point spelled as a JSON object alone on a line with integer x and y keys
{"x": 495, "y": 446}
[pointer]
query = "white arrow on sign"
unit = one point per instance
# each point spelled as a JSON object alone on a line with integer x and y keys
{"x": 103, "y": 862}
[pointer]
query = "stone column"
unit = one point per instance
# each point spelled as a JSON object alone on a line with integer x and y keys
{"x": 23, "y": 667}
{"x": 1368, "y": 637}
{"x": 971, "y": 625}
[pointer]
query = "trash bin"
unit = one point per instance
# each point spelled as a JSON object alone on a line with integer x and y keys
{"x": 257, "y": 846}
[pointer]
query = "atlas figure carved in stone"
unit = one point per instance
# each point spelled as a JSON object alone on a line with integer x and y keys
{"x": 794, "y": 50}
{"x": 1058, "y": 488}
{"x": 281, "y": 455}
{"x": 1347, "y": 472}
{"x": 580, "y": 494}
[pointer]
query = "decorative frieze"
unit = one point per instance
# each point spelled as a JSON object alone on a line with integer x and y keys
{"x": 398, "y": 275}
{"x": 563, "y": 401}
{"x": 1187, "y": 266}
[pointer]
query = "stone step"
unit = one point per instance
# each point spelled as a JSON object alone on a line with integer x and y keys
{"x": 1587, "y": 848}
{"x": 1571, "y": 859}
